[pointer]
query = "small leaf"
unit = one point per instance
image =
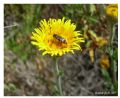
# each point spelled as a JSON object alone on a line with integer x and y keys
{"x": 105, "y": 74}
{"x": 115, "y": 55}
{"x": 92, "y": 9}
{"x": 116, "y": 87}
{"x": 61, "y": 73}
{"x": 91, "y": 53}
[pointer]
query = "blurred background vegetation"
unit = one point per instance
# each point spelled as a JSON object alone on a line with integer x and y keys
{"x": 92, "y": 72}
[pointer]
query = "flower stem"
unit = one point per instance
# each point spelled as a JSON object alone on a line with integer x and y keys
{"x": 58, "y": 78}
{"x": 113, "y": 35}
{"x": 113, "y": 61}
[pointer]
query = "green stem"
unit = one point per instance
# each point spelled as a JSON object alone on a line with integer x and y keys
{"x": 112, "y": 36}
{"x": 114, "y": 73}
{"x": 58, "y": 78}
{"x": 113, "y": 61}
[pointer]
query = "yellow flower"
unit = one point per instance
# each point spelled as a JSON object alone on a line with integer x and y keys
{"x": 112, "y": 10}
{"x": 57, "y": 37}
{"x": 104, "y": 62}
